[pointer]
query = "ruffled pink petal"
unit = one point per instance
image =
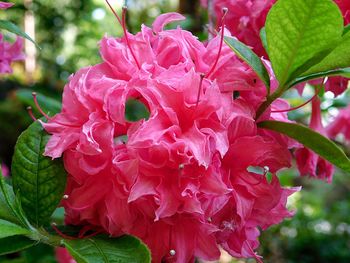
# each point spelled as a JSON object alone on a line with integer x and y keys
{"x": 165, "y": 19}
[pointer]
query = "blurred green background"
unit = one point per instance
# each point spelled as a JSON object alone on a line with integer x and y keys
{"x": 68, "y": 31}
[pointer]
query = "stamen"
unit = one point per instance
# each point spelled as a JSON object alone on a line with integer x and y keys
{"x": 225, "y": 10}
{"x": 114, "y": 12}
{"x": 30, "y": 112}
{"x": 126, "y": 35}
{"x": 54, "y": 226}
{"x": 266, "y": 170}
{"x": 300, "y": 106}
{"x": 200, "y": 88}
{"x": 38, "y": 106}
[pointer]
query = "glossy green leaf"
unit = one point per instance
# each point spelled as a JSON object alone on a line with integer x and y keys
{"x": 344, "y": 72}
{"x": 8, "y": 229}
{"x": 312, "y": 140}
{"x": 263, "y": 38}
{"x": 338, "y": 58}
{"x": 49, "y": 105}
{"x": 125, "y": 249}
{"x": 14, "y": 244}
{"x": 11, "y": 27}
{"x": 300, "y": 33}
{"x": 246, "y": 54}
{"x": 39, "y": 180}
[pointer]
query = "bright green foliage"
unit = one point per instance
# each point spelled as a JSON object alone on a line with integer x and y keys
{"x": 300, "y": 33}
{"x": 312, "y": 140}
{"x": 11, "y": 27}
{"x": 338, "y": 58}
{"x": 250, "y": 58}
{"x": 125, "y": 249}
{"x": 14, "y": 244}
{"x": 8, "y": 229}
{"x": 39, "y": 180}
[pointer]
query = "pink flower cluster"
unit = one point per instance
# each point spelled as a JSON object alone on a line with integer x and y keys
{"x": 177, "y": 180}
{"x": 9, "y": 52}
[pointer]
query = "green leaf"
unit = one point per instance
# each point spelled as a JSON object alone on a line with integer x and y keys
{"x": 11, "y": 27}
{"x": 14, "y": 244}
{"x": 346, "y": 29}
{"x": 338, "y": 58}
{"x": 344, "y": 72}
{"x": 39, "y": 180}
{"x": 125, "y": 249}
{"x": 135, "y": 110}
{"x": 49, "y": 105}
{"x": 7, "y": 202}
{"x": 299, "y": 33}
{"x": 246, "y": 54}
{"x": 263, "y": 38}
{"x": 8, "y": 229}
{"x": 312, "y": 140}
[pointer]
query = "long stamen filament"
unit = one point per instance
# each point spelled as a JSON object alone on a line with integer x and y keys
{"x": 126, "y": 36}
{"x": 123, "y": 25}
{"x": 225, "y": 10}
{"x": 30, "y": 112}
{"x": 38, "y": 106}
{"x": 200, "y": 88}
{"x": 114, "y": 12}
{"x": 297, "y": 107}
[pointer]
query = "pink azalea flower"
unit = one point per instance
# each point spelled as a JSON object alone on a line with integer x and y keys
{"x": 5, "y": 5}
{"x": 63, "y": 256}
{"x": 179, "y": 182}
{"x": 337, "y": 85}
{"x": 308, "y": 162}
{"x": 340, "y": 125}
{"x": 5, "y": 170}
{"x": 9, "y": 53}
{"x": 344, "y": 6}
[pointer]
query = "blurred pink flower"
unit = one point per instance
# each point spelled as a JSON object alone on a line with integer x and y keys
{"x": 308, "y": 162}
{"x": 9, "y": 53}
{"x": 5, "y": 170}
{"x": 63, "y": 256}
{"x": 180, "y": 181}
{"x": 5, "y": 5}
{"x": 340, "y": 125}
